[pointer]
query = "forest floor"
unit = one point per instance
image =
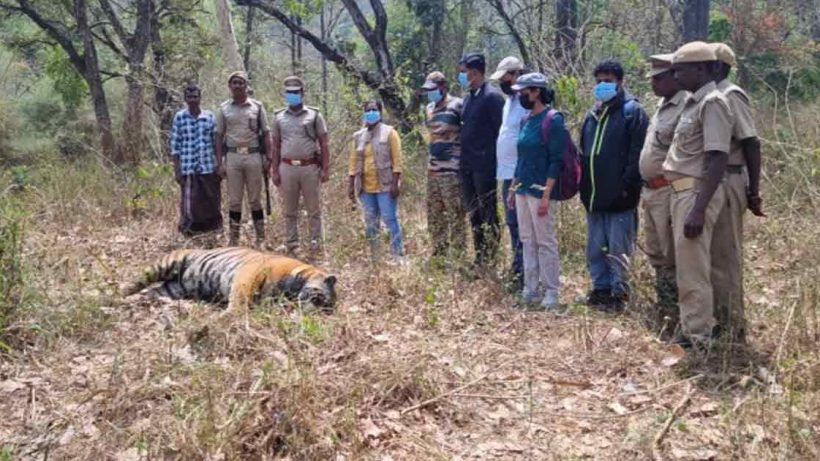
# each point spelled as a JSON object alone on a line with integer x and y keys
{"x": 415, "y": 363}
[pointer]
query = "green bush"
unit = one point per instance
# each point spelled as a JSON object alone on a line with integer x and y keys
{"x": 11, "y": 264}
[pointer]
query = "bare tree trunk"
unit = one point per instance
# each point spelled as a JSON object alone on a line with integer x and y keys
{"x": 162, "y": 97}
{"x": 695, "y": 25}
{"x": 246, "y": 59}
{"x": 230, "y": 48}
{"x": 94, "y": 79}
{"x": 566, "y": 35}
{"x": 323, "y": 33}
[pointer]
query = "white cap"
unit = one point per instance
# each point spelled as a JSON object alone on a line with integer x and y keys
{"x": 508, "y": 64}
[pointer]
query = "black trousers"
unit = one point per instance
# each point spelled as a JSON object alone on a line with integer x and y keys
{"x": 480, "y": 199}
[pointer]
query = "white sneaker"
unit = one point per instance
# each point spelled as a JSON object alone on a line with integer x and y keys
{"x": 551, "y": 301}
{"x": 397, "y": 261}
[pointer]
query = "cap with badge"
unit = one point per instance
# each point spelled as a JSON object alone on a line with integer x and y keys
{"x": 724, "y": 54}
{"x": 659, "y": 63}
{"x": 238, "y": 74}
{"x": 694, "y": 52}
{"x": 473, "y": 59}
{"x": 433, "y": 80}
{"x": 294, "y": 83}
{"x": 531, "y": 80}
{"x": 508, "y": 64}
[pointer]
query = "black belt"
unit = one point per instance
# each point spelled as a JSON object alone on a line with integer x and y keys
{"x": 734, "y": 169}
{"x": 251, "y": 150}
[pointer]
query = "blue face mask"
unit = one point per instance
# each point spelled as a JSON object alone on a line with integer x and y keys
{"x": 463, "y": 80}
{"x": 372, "y": 117}
{"x": 293, "y": 99}
{"x": 605, "y": 91}
{"x": 434, "y": 95}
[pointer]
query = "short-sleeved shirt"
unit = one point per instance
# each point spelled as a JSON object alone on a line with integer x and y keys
{"x": 705, "y": 125}
{"x": 743, "y": 126}
{"x": 240, "y": 123}
{"x": 298, "y": 132}
{"x": 370, "y": 175}
{"x": 192, "y": 141}
{"x": 444, "y": 129}
{"x": 660, "y": 134}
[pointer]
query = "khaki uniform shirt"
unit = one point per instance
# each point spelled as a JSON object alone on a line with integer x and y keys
{"x": 659, "y": 135}
{"x": 240, "y": 122}
{"x": 743, "y": 126}
{"x": 705, "y": 125}
{"x": 298, "y": 132}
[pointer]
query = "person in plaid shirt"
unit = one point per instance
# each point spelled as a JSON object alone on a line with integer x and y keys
{"x": 197, "y": 169}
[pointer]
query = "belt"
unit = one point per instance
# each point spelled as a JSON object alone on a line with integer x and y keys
{"x": 250, "y": 150}
{"x": 734, "y": 169}
{"x": 682, "y": 184}
{"x": 657, "y": 182}
{"x": 301, "y": 162}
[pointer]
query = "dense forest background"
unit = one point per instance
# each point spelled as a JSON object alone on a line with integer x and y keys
{"x": 417, "y": 362}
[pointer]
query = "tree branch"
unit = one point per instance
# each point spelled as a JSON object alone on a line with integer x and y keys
{"x": 62, "y": 37}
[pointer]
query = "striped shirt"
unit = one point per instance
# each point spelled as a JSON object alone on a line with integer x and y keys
{"x": 444, "y": 127}
{"x": 192, "y": 140}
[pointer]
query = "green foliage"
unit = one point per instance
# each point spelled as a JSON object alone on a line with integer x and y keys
{"x": 720, "y": 28}
{"x": 67, "y": 82}
{"x": 568, "y": 99}
{"x": 12, "y": 282}
{"x": 147, "y": 186}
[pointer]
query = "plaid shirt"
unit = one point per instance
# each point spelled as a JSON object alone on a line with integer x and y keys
{"x": 192, "y": 140}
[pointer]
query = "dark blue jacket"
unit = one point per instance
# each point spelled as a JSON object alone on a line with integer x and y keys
{"x": 610, "y": 179}
{"x": 481, "y": 120}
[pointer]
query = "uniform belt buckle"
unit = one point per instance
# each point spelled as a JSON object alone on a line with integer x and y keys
{"x": 242, "y": 150}
{"x": 296, "y": 162}
{"x": 683, "y": 184}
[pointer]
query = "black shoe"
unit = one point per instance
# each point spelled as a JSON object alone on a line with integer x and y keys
{"x": 598, "y": 299}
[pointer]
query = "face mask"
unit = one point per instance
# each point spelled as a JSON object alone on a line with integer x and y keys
{"x": 525, "y": 102}
{"x": 434, "y": 95}
{"x": 605, "y": 91}
{"x": 372, "y": 117}
{"x": 463, "y": 80}
{"x": 293, "y": 99}
{"x": 506, "y": 87}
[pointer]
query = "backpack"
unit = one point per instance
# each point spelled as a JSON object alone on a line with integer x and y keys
{"x": 569, "y": 180}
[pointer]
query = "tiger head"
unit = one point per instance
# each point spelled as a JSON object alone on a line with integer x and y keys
{"x": 319, "y": 290}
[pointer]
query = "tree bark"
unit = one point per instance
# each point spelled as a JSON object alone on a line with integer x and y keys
{"x": 162, "y": 97}
{"x": 230, "y": 49}
{"x": 695, "y": 20}
{"x": 246, "y": 58}
{"x": 94, "y": 79}
{"x": 498, "y": 5}
{"x": 566, "y": 14}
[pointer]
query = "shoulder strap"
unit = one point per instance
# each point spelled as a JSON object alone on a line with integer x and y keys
{"x": 545, "y": 125}
{"x": 628, "y": 109}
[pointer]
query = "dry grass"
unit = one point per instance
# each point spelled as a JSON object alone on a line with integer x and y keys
{"x": 92, "y": 377}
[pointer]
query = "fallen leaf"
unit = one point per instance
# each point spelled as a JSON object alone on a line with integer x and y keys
{"x": 618, "y": 408}
{"x": 8, "y": 386}
{"x": 696, "y": 455}
{"x": 707, "y": 409}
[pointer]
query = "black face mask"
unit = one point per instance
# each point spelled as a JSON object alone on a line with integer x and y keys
{"x": 525, "y": 102}
{"x": 506, "y": 87}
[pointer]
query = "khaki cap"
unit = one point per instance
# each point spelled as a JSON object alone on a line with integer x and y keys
{"x": 694, "y": 52}
{"x": 238, "y": 73}
{"x": 659, "y": 63}
{"x": 508, "y": 64}
{"x": 294, "y": 83}
{"x": 433, "y": 79}
{"x": 724, "y": 53}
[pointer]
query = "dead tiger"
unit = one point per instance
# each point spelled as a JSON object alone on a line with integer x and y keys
{"x": 239, "y": 276}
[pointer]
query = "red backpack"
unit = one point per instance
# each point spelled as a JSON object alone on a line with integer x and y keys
{"x": 570, "y": 178}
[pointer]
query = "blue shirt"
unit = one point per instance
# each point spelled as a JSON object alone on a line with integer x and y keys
{"x": 507, "y": 146}
{"x": 538, "y": 161}
{"x": 192, "y": 140}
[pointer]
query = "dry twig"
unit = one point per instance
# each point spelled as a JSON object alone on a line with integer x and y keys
{"x": 656, "y": 443}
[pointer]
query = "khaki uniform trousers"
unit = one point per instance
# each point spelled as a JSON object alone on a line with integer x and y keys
{"x": 446, "y": 215}
{"x": 660, "y": 244}
{"x": 727, "y": 258}
{"x": 305, "y": 181}
{"x": 693, "y": 260}
{"x": 244, "y": 174}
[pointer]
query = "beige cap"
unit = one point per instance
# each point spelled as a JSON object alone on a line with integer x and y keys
{"x": 294, "y": 83}
{"x": 724, "y": 53}
{"x": 508, "y": 64}
{"x": 694, "y": 52}
{"x": 238, "y": 73}
{"x": 433, "y": 79}
{"x": 659, "y": 63}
